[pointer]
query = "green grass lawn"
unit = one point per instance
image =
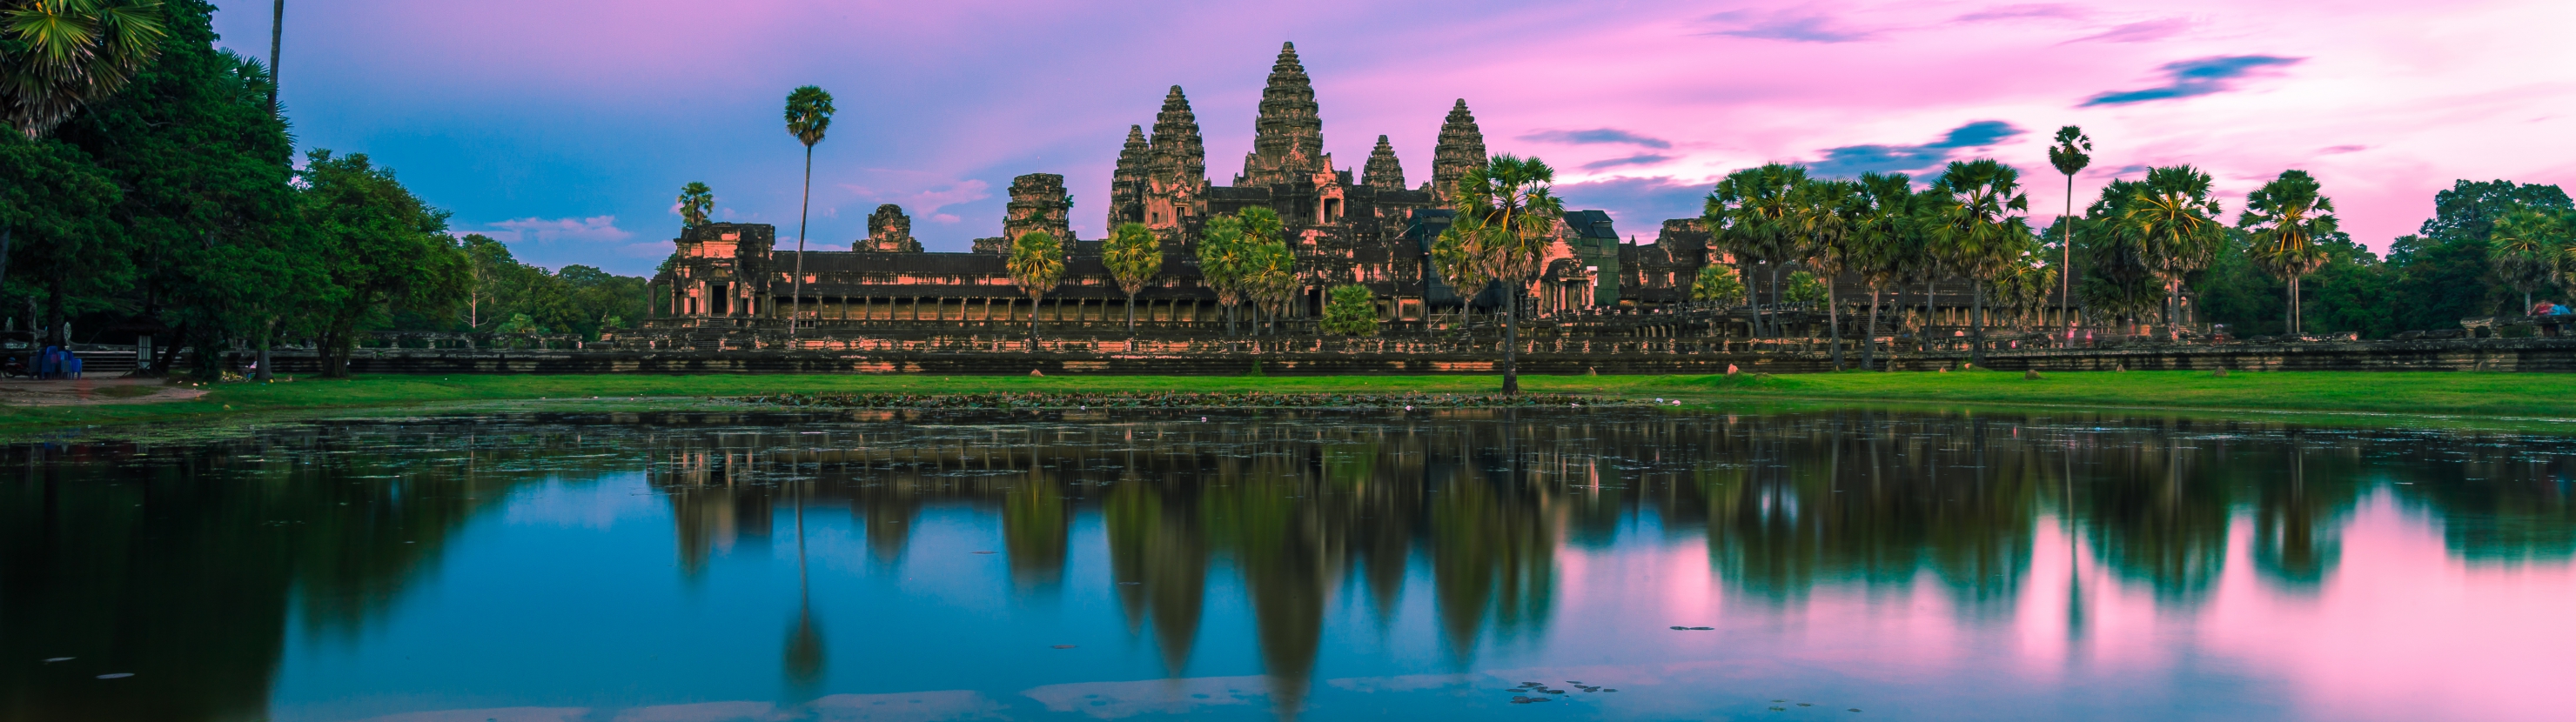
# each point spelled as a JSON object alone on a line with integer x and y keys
{"x": 2406, "y": 394}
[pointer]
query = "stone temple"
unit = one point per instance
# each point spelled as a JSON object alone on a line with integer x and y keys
{"x": 726, "y": 287}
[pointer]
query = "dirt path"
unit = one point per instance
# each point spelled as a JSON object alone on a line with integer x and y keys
{"x": 93, "y": 392}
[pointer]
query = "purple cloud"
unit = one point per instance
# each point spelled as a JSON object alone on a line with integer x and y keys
{"x": 1596, "y": 135}
{"x": 1639, "y": 205}
{"x": 2195, "y": 77}
{"x": 1784, "y": 26}
{"x": 1852, "y": 160}
{"x": 2016, "y": 12}
{"x": 2139, "y": 32}
{"x": 1639, "y": 159}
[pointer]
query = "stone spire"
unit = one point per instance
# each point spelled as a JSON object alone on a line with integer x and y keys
{"x": 1461, "y": 147}
{"x": 1127, "y": 183}
{"x": 1382, "y": 170}
{"x": 1037, "y": 204}
{"x": 1176, "y": 167}
{"x": 889, "y": 230}
{"x": 1288, "y": 139}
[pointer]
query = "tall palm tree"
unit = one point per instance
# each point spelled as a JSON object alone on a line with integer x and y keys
{"x": 1881, "y": 244}
{"x": 2175, "y": 221}
{"x": 696, "y": 199}
{"x": 57, "y": 56}
{"x": 1221, "y": 256}
{"x": 809, "y": 113}
{"x": 2070, "y": 156}
{"x": 2284, "y": 218}
{"x": 1977, "y": 229}
{"x": 1754, "y": 215}
{"x": 1264, "y": 240}
{"x": 1507, "y": 214}
{"x": 1133, "y": 254}
{"x": 1036, "y": 265}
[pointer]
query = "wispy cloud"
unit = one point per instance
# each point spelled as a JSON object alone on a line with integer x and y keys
{"x": 1852, "y": 160}
{"x": 2138, "y": 32}
{"x": 2195, "y": 77}
{"x": 1597, "y": 135}
{"x": 925, "y": 202}
{"x": 1638, "y": 205}
{"x": 1639, "y": 159}
{"x": 2017, "y": 12}
{"x": 1802, "y": 28}
{"x": 595, "y": 229}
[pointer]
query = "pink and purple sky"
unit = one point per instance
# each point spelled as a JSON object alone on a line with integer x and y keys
{"x": 566, "y": 127}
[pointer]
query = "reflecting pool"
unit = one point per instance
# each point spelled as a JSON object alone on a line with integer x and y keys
{"x": 1616, "y": 563}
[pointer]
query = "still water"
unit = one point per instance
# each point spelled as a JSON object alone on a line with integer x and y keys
{"x": 1846, "y": 565}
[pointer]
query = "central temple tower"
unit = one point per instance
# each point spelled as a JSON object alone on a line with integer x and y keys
{"x": 1288, "y": 138}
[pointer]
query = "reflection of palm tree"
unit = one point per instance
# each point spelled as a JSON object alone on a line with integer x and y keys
{"x": 803, "y": 660}
{"x": 1035, "y": 527}
{"x": 1158, "y": 552}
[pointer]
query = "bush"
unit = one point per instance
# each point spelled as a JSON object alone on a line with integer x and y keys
{"x": 1717, "y": 282}
{"x": 1351, "y": 311}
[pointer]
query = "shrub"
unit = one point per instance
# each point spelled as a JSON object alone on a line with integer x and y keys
{"x": 1351, "y": 311}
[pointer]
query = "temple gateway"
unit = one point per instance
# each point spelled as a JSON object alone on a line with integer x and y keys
{"x": 726, "y": 286}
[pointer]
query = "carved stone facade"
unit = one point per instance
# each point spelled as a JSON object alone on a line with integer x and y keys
{"x": 1461, "y": 148}
{"x": 1038, "y": 204}
{"x": 1383, "y": 170}
{"x": 889, "y": 230}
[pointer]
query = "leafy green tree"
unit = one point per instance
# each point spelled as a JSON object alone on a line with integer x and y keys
{"x": 2070, "y": 153}
{"x": 58, "y": 56}
{"x": 809, "y": 114}
{"x": 1826, "y": 214}
{"x": 2444, "y": 272}
{"x": 2175, "y": 221}
{"x": 1267, "y": 269}
{"x": 1221, "y": 262}
{"x": 1507, "y": 216}
{"x": 1134, "y": 254}
{"x": 1805, "y": 287}
{"x": 696, "y": 199}
{"x": 1351, "y": 311}
{"x": 492, "y": 270}
{"x": 1883, "y": 242}
{"x": 1975, "y": 228}
{"x": 382, "y": 249}
{"x": 1036, "y": 265}
{"x": 1753, "y": 214}
{"x": 2283, "y": 220}
{"x": 1717, "y": 282}
{"x": 61, "y": 201}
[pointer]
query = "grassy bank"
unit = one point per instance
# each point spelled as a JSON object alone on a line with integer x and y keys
{"x": 2427, "y": 393}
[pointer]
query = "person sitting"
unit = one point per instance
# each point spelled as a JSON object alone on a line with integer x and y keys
{"x": 2559, "y": 309}
{"x": 2540, "y": 309}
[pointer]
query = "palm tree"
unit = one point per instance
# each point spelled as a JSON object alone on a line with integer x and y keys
{"x": 1036, "y": 266}
{"x": 695, "y": 200}
{"x": 2070, "y": 156}
{"x": 276, "y": 38}
{"x": 2284, "y": 218}
{"x": 1754, "y": 215}
{"x": 1133, "y": 254}
{"x": 2175, "y": 222}
{"x": 1881, "y": 244}
{"x": 809, "y": 113}
{"x": 1263, "y": 242}
{"x": 1976, "y": 229}
{"x": 2522, "y": 244}
{"x": 1825, "y": 217}
{"x": 57, "y": 56}
{"x": 1507, "y": 216}
{"x": 1221, "y": 256}
{"x": 1271, "y": 280}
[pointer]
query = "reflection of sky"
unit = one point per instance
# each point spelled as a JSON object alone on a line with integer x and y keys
{"x": 568, "y": 604}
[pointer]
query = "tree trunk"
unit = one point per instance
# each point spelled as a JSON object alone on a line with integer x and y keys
{"x": 1977, "y": 324}
{"x": 2066, "y": 268}
{"x": 54, "y": 335}
{"x": 1923, "y": 335}
{"x": 1834, "y": 324}
{"x": 1034, "y": 302}
{"x": 1869, "y": 334}
{"x": 1511, "y": 344}
{"x": 276, "y": 36}
{"x": 266, "y": 332}
{"x": 797, "y": 307}
{"x": 1131, "y": 319}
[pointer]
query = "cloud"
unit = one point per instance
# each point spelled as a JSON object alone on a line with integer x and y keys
{"x": 1638, "y": 206}
{"x": 1853, "y": 160}
{"x": 2341, "y": 149}
{"x": 1783, "y": 26}
{"x": 2016, "y": 12}
{"x": 2195, "y": 77}
{"x": 1639, "y": 159}
{"x": 1596, "y": 135}
{"x": 927, "y": 201}
{"x": 595, "y": 229}
{"x": 2138, "y": 32}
